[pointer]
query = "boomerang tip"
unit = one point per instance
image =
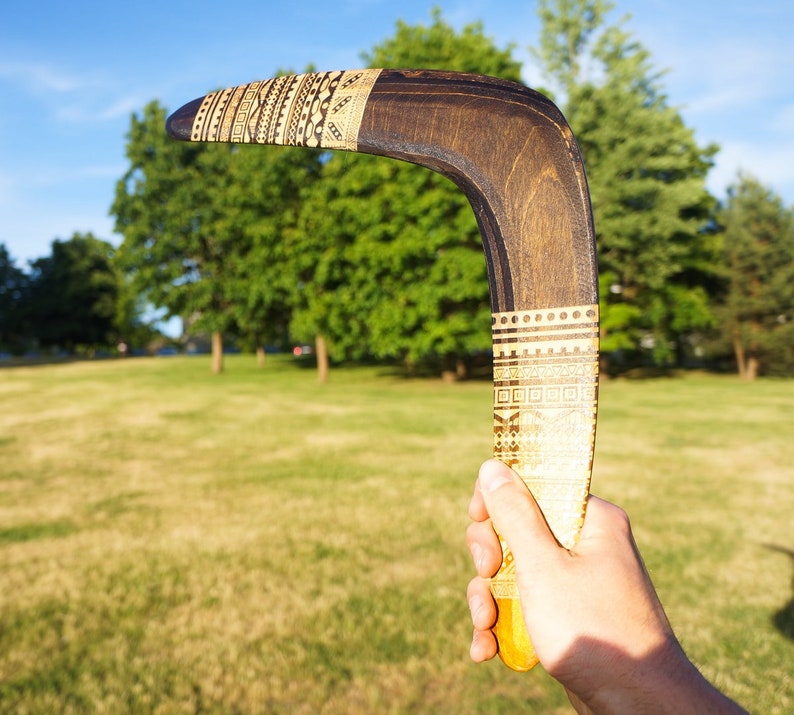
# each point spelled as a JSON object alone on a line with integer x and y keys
{"x": 180, "y": 124}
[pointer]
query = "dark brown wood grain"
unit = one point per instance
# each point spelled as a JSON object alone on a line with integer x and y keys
{"x": 512, "y": 153}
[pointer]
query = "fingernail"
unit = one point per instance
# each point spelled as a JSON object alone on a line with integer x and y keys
{"x": 492, "y": 476}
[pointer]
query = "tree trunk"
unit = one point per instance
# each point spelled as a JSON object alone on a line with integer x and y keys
{"x": 462, "y": 369}
{"x": 321, "y": 350}
{"x": 752, "y": 368}
{"x": 454, "y": 369}
{"x": 753, "y": 362}
{"x": 738, "y": 351}
{"x": 217, "y": 352}
{"x": 260, "y": 356}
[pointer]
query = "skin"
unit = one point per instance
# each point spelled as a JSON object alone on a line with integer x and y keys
{"x": 592, "y": 613}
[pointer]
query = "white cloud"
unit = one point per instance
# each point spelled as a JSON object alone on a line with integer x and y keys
{"x": 772, "y": 164}
{"x": 733, "y": 87}
{"x": 37, "y": 77}
{"x": 722, "y": 74}
{"x": 88, "y": 110}
{"x": 721, "y": 98}
{"x": 75, "y": 97}
{"x": 124, "y": 106}
{"x": 783, "y": 119}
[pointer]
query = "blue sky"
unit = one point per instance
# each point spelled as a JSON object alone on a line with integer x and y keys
{"x": 72, "y": 73}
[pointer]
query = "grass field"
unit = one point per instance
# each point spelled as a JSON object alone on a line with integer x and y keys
{"x": 174, "y": 542}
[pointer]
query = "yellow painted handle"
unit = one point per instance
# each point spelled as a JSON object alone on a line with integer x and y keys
{"x": 515, "y": 647}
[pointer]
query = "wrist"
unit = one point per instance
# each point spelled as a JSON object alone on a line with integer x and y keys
{"x": 665, "y": 682}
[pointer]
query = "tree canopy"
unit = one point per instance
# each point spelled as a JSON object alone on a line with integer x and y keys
{"x": 169, "y": 209}
{"x": 73, "y": 293}
{"x": 202, "y": 227}
{"x": 757, "y": 309}
{"x": 13, "y": 290}
{"x": 380, "y": 259}
{"x": 399, "y": 269}
{"x": 647, "y": 180}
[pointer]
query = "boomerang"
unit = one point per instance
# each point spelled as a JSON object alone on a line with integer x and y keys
{"x": 510, "y": 150}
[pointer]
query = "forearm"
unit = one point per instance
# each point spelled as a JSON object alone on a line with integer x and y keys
{"x": 663, "y": 683}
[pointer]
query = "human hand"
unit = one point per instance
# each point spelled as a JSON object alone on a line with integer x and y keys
{"x": 592, "y": 613}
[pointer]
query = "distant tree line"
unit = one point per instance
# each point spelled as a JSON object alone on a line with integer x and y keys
{"x": 374, "y": 259}
{"x": 74, "y": 301}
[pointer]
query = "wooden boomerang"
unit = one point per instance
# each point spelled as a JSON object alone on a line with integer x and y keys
{"x": 513, "y": 154}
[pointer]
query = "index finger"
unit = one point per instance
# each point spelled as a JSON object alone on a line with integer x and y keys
{"x": 477, "y": 510}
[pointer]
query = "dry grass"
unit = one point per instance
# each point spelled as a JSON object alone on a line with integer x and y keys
{"x": 172, "y": 542}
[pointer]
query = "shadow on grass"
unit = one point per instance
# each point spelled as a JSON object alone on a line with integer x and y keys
{"x": 41, "y": 360}
{"x": 783, "y": 619}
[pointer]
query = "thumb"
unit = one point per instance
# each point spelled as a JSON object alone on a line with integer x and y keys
{"x": 514, "y": 512}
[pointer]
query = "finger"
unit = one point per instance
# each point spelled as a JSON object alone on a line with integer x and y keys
{"x": 483, "y": 646}
{"x": 515, "y": 514}
{"x": 477, "y": 510}
{"x": 607, "y": 527}
{"x": 602, "y": 518}
{"x": 481, "y": 604}
{"x": 486, "y": 551}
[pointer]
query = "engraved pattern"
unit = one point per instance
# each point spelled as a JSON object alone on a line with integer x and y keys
{"x": 318, "y": 109}
{"x": 545, "y": 400}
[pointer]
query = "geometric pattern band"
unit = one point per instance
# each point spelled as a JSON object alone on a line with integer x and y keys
{"x": 317, "y": 109}
{"x": 545, "y": 375}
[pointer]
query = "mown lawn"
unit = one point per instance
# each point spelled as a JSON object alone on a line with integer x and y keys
{"x": 176, "y": 542}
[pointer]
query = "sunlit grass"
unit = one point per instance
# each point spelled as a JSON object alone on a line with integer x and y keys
{"x": 172, "y": 541}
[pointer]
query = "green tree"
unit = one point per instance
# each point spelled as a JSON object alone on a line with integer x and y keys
{"x": 647, "y": 179}
{"x": 440, "y": 46}
{"x": 73, "y": 294}
{"x": 757, "y": 313}
{"x": 204, "y": 230}
{"x": 388, "y": 279}
{"x": 393, "y": 265}
{"x": 264, "y": 198}
{"x": 170, "y": 207}
{"x": 135, "y": 327}
{"x": 13, "y": 291}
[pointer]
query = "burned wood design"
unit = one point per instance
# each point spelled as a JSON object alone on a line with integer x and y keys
{"x": 510, "y": 150}
{"x": 314, "y": 110}
{"x": 545, "y": 382}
